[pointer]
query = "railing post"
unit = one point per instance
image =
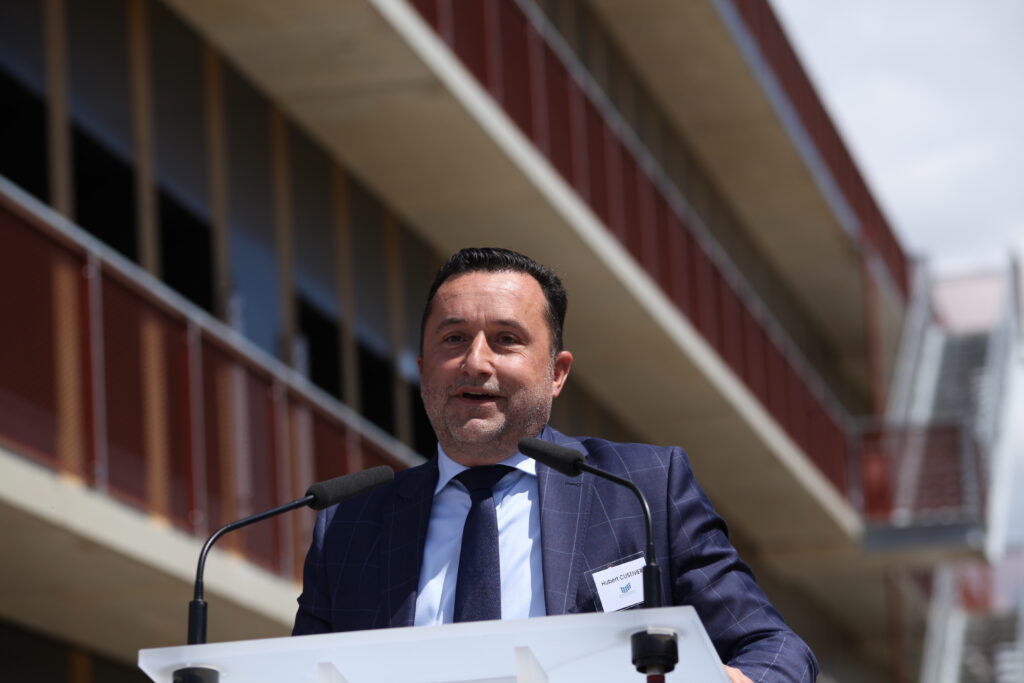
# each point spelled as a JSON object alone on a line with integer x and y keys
{"x": 97, "y": 371}
{"x": 199, "y": 514}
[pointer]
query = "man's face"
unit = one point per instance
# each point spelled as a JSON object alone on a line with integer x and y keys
{"x": 487, "y": 374}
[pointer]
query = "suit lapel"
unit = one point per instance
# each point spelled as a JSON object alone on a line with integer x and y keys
{"x": 403, "y": 538}
{"x": 564, "y": 511}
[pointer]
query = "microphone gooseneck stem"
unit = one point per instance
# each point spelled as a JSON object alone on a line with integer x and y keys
{"x": 655, "y": 650}
{"x": 197, "y": 607}
{"x": 652, "y": 572}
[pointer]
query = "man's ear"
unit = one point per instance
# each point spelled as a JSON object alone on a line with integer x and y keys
{"x": 419, "y": 366}
{"x": 562, "y": 364}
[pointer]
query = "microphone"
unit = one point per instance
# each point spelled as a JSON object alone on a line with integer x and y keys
{"x": 571, "y": 463}
{"x": 655, "y": 651}
{"x": 318, "y": 496}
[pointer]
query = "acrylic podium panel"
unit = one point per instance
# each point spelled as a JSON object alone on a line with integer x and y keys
{"x": 561, "y": 649}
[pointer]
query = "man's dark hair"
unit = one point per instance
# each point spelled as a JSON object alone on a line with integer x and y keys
{"x": 498, "y": 260}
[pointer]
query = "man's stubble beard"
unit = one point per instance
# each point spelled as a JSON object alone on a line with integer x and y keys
{"x": 526, "y": 413}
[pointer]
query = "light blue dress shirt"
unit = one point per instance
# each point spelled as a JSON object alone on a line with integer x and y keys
{"x": 517, "y": 507}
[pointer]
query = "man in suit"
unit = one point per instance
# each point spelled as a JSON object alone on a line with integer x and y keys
{"x": 491, "y": 363}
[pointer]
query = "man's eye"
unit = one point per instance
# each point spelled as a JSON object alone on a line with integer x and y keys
{"x": 508, "y": 339}
{"x": 452, "y": 338}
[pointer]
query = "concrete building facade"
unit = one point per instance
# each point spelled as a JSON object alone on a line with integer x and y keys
{"x": 219, "y": 221}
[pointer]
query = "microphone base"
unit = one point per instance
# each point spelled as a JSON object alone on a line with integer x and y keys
{"x": 196, "y": 674}
{"x": 655, "y": 651}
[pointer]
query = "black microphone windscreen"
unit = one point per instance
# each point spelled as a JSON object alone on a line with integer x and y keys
{"x": 559, "y": 458}
{"x": 333, "y": 491}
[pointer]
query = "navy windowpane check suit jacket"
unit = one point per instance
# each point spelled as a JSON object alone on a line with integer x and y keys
{"x": 363, "y": 568}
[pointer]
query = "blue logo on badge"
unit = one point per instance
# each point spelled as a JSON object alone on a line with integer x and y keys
{"x": 625, "y": 589}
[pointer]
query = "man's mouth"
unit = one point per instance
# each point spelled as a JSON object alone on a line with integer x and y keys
{"x": 477, "y": 395}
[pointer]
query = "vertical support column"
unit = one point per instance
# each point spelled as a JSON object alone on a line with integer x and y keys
{"x": 341, "y": 216}
{"x": 97, "y": 372}
{"x": 239, "y": 470}
{"x": 345, "y": 288}
{"x": 55, "y": 53}
{"x": 396, "y": 309}
{"x": 141, "y": 87}
{"x": 225, "y": 381}
{"x": 67, "y": 329}
{"x": 281, "y": 183}
{"x": 286, "y": 488}
{"x": 80, "y": 668}
{"x": 213, "y": 98}
{"x": 154, "y": 412}
{"x": 200, "y": 513}
{"x": 303, "y": 469}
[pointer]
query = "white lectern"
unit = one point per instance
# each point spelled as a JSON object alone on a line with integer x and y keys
{"x": 561, "y": 649}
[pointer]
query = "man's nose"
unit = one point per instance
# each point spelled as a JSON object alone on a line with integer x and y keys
{"x": 479, "y": 356}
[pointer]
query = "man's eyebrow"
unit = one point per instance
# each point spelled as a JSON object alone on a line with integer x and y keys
{"x": 514, "y": 323}
{"x": 511, "y": 322}
{"x": 448, "y": 322}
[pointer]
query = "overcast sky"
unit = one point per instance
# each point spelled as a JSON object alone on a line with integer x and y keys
{"x": 929, "y": 96}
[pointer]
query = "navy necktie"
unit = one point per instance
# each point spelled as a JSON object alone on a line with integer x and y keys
{"x": 478, "y": 587}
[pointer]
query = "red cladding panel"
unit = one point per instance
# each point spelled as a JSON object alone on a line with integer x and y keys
{"x": 373, "y": 456}
{"x": 831, "y": 441}
{"x": 706, "y": 309}
{"x": 469, "y": 39}
{"x": 842, "y": 450}
{"x": 812, "y": 432}
{"x": 578, "y": 132}
{"x": 328, "y": 447}
{"x": 216, "y": 419}
{"x": 516, "y": 95}
{"x": 714, "y": 298}
{"x": 647, "y": 227}
{"x": 776, "y": 382}
{"x": 693, "y": 257}
{"x": 732, "y": 327}
{"x": 125, "y": 406}
{"x": 631, "y": 204}
{"x": 796, "y": 415}
{"x": 616, "y": 183}
{"x": 556, "y": 82}
{"x": 428, "y": 10}
{"x": 834, "y": 444}
{"x": 262, "y": 541}
{"x": 876, "y": 475}
{"x": 597, "y": 193}
{"x": 27, "y": 374}
{"x": 179, "y": 423}
{"x": 678, "y": 262}
{"x": 754, "y": 343}
{"x": 665, "y": 251}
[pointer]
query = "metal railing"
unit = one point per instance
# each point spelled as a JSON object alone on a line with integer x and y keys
{"x": 520, "y": 59}
{"x": 111, "y": 377}
{"x": 921, "y": 474}
{"x": 777, "y": 51}
{"x": 1004, "y": 342}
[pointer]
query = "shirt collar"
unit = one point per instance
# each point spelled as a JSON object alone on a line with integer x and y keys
{"x": 448, "y": 469}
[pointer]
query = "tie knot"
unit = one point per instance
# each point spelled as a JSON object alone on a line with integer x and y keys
{"x": 481, "y": 480}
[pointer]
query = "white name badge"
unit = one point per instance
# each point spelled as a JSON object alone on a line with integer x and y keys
{"x": 620, "y": 586}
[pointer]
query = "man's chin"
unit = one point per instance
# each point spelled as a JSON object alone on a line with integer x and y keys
{"x": 477, "y": 431}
